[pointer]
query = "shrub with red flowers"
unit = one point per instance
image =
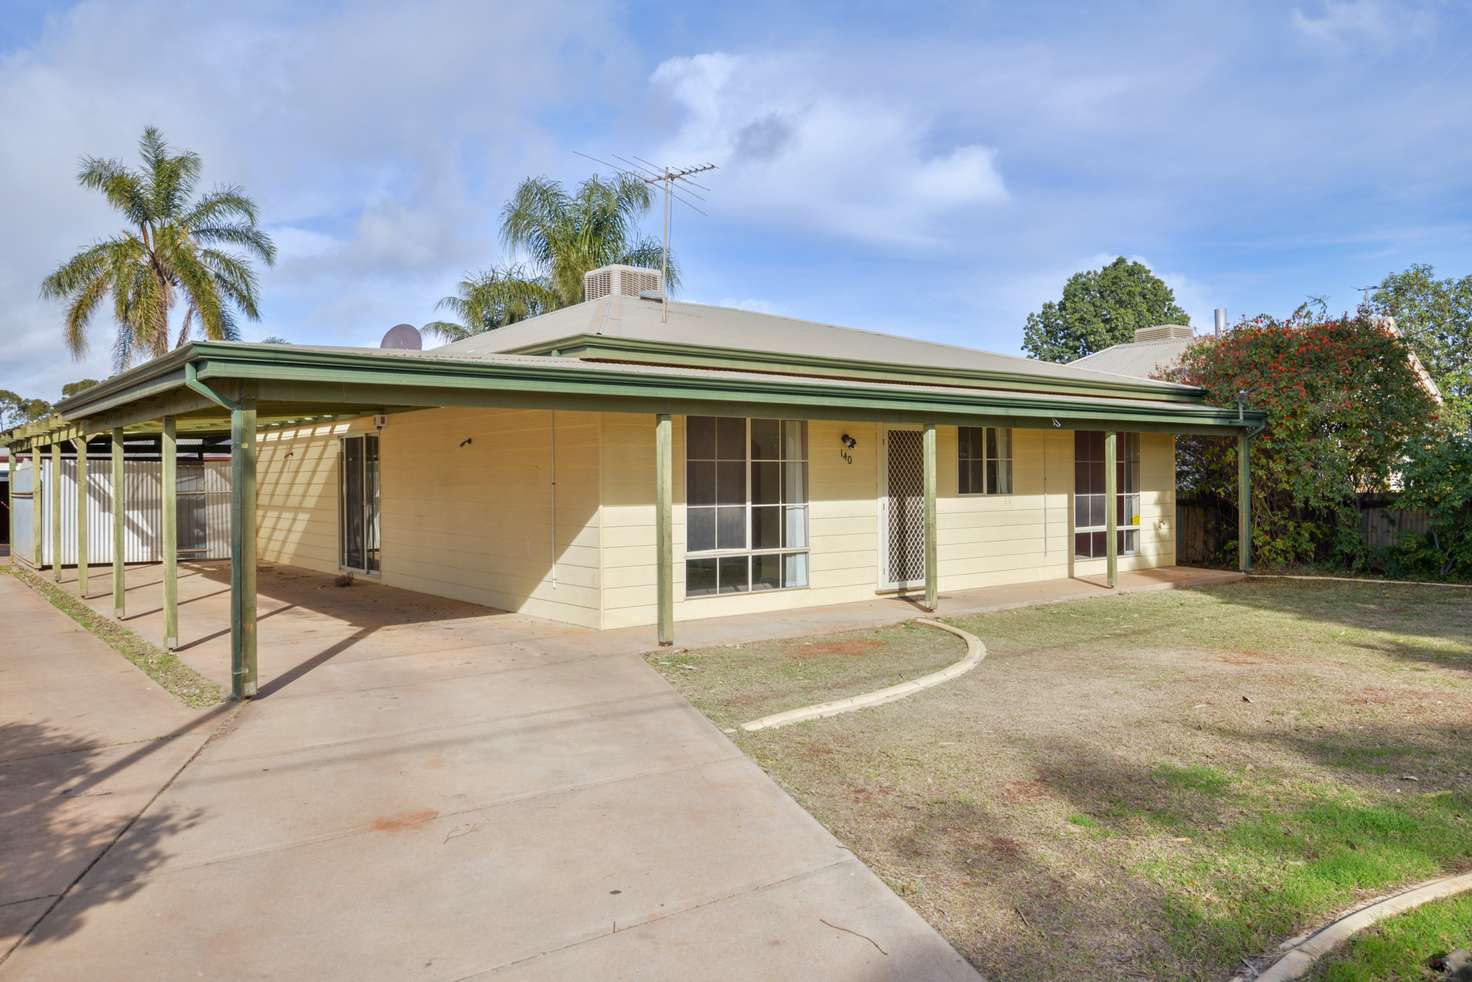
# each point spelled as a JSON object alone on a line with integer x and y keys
{"x": 1343, "y": 406}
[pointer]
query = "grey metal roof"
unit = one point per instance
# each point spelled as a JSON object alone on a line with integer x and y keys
{"x": 1138, "y": 359}
{"x": 455, "y": 353}
{"x": 698, "y": 325}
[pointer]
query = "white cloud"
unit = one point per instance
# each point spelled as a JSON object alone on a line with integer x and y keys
{"x": 797, "y": 150}
{"x": 1342, "y": 23}
{"x": 378, "y": 139}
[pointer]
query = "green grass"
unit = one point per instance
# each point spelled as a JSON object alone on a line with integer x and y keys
{"x": 1149, "y": 786}
{"x": 1401, "y": 947}
{"x": 165, "y": 668}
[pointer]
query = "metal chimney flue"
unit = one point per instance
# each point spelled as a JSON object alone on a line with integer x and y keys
{"x": 1221, "y": 321}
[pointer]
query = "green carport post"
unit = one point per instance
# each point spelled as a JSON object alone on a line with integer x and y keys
{"x": 83, "y": 541}
{"x": 664, "y": 539}
{"x": 119, "y": 586}
{"x": 1111, "y": 507}
{"x": 932, "y": 575}
{"x": 168, "y": 449}
{"x": 56, "y": 511}
{"x": 1244, "y": 502}
{"x": 243, "y": 549}
{"x": 37, "y": 497}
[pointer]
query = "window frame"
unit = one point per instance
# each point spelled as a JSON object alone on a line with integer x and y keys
{"x": 749, "y": 552}
{"x": 1125, "y": 489}
{"x": 961, "y": 461}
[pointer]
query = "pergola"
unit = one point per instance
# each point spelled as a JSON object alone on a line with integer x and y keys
{"x": 211, "y": 389}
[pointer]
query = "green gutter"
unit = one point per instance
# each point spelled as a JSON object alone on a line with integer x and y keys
{"x": 325, "y": 376}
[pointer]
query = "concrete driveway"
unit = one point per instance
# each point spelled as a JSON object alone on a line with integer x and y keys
{"x": 426, "y": 790}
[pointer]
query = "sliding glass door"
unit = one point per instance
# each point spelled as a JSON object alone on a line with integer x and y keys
{"x": 358, "y": 526}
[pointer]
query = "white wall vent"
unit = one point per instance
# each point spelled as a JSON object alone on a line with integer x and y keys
{"x": 1164, "y": 332}
{"x": 621, "y": 281}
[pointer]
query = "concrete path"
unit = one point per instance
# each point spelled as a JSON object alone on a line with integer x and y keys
{"x": 86, "y": 742}
{"x": 427, "y": 790}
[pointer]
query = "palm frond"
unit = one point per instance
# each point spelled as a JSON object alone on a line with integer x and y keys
{"x": 171, "y": 179}
{"x": 649, "y": 253}
{"x": 79, "y": 312}
{"x": 122, "y": 188}
{"x": 242, "y": 234}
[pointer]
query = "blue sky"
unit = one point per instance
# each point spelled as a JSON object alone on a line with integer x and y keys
{"x": 906, "y": 167}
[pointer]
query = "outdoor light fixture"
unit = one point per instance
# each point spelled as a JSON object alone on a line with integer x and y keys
{"x": 848, "y": 441}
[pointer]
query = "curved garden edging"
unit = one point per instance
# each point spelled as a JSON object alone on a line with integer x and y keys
{"x": 1301, "y": 954}
{"x": 975, "y": 652}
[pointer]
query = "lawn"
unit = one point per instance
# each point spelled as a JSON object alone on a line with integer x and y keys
{"x": 1401, "y": 947}
{"x": 1150, "y": 786}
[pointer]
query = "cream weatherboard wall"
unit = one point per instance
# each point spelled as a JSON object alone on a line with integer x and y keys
{"x": 982, "y": 540}
{"x": 470, "y": 510}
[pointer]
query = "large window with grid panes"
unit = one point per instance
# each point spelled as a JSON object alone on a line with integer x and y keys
{"x": 1090, "y": 531}
{"x": 983, "y": 460}
{"x": 746, "y": 505}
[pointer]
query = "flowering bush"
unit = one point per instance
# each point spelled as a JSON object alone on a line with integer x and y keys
{"x": 1343, "y": 406}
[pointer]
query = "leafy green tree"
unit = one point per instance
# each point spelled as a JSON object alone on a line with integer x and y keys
{"x": 174, "y": 248}
{"x": 565, "y": 235}
{"x": 16, "y": 409}
{"x": 1099, "y": 308}
{"x": 1438, "y": 480}
{"x": 1435, "y": 315}
{"x": 80, "y": 385}
{"x": 1343, "y": 406}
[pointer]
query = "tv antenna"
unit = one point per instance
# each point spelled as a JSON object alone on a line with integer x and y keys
{"x": 670, "y": 178}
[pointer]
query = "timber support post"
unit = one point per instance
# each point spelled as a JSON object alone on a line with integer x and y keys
{"x": 55, "y": 493}
{"x": 243, "y": 549}
{"x": 119, "y": 585}
{"x": 37, "y": 498}
{"x": 169, "y": 455}
{"x": 932, "y": 575}
{"x": 1244, "y": 503}
{"x": 83, "y": 540}
{"x": 1111, "y": 507}
{"x": 664, "y": 540}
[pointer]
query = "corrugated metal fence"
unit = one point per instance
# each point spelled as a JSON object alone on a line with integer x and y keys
{"x": 203, "y": 510}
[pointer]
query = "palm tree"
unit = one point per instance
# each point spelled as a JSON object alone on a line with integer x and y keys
{"x": 174, "y": 248}
{"x": 566, "y": 236}
{"x": 493, "y": 298}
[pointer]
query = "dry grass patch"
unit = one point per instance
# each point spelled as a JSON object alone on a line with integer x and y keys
{"x": 1151, "y": 786}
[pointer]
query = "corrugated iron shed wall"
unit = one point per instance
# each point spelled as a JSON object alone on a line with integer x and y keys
{"x": 142, "y": 506}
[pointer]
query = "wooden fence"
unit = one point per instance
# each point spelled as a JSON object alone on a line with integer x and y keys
{"x": 1204, "y": 527}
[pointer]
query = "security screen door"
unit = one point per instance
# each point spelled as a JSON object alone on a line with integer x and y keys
{"x": 903, "y": 510}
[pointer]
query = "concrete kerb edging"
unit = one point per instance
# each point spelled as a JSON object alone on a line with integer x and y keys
{"x": 975, "y": 652}
{"x": 1302, "y": 953}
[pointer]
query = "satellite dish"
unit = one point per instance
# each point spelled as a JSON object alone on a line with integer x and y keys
{"x": 404, "y": 337}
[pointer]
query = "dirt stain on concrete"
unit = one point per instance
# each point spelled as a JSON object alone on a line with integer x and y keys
{"x": 404, "y": 820}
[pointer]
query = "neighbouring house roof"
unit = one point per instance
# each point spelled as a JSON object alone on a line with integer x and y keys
{"x": 1141, "y": 359}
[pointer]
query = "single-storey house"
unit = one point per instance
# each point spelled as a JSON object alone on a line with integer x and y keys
{"x": 626, "y": 462}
